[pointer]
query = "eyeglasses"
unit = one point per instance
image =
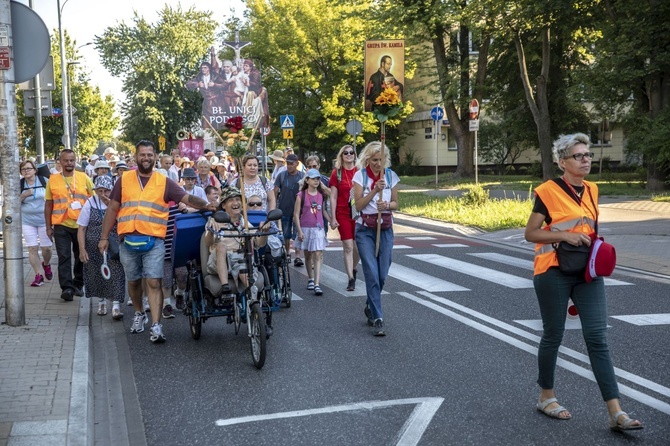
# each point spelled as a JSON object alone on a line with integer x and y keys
{"x": 580, "y": 156}
{"x": 255, "y": 204}
{"x": 348, "y": 152}
{"x": 26, "y": 169}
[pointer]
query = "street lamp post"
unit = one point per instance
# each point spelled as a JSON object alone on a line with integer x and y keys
{"x": 70, "y": 110}
{"x": 64, "y": 88}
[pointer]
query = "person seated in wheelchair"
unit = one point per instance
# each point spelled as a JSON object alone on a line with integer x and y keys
{"x": 226, "y": 254}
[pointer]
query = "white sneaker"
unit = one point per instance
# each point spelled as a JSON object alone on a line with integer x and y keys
{"x": 116, "y": 311}
{"x": 130, "y": 302}
{"x": 157, "y": 336}
{"x": 145, "y": 304}
{"x": 139, "y": 321}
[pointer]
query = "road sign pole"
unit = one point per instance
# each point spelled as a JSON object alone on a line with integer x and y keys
{"x": 476, "y": 163}
{"x": 437, "y": 146}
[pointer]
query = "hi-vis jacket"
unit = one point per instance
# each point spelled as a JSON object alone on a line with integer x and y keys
{"x": 143, "y": 209}
{"x": 566, "y": 215}
{"x": 64, "y": 195}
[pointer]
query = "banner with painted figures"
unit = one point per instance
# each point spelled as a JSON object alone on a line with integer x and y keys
{"x": 231, "y": 88}
{"x": 384, "y": 68}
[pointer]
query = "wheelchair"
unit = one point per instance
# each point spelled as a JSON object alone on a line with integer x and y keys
{"x": 252, "y": 304}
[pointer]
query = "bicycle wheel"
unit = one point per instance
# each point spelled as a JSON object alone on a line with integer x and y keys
{"x": 257, "y": 337}
{"x": 285, "y": 281}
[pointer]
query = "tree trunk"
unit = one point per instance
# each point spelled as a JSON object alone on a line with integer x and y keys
{"x": 540, "y": 106}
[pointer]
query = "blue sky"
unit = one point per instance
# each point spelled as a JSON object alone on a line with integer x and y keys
{"x": 84, "y": 19}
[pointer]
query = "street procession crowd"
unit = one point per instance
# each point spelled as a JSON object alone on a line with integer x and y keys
{"x": 116, "y": 218}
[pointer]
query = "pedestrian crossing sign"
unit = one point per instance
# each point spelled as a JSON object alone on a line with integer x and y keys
{"x": 288, "y": 133}
{"x": 287, "y": 121}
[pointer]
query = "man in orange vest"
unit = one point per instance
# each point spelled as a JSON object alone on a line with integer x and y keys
{"x": 140, "y": 200}
{"x": 65, "y": 195}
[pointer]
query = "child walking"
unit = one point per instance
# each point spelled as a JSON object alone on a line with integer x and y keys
{"x": 309, "y": 215}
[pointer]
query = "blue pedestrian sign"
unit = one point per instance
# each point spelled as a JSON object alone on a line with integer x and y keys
{"x": 287, "y": 121}
{"x": 436, "y": 113}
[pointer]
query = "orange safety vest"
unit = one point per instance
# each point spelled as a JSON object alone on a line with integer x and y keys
{"x": 63, "y": 195}
{"x": 566, "y": 215}
{"x": 143, "y": 210}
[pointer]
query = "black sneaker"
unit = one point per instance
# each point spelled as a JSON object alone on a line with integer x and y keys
{"x": 167, "y": 312}
{"x": 352, "y": 285}
{"x": 67, "y": 295}
{"x": 179, "y": 298}
{"x": 298, "y": 262}
{"x": 79, "y": 292}
{"x": 368, "y": 314}
{"x": 379, "y": 328}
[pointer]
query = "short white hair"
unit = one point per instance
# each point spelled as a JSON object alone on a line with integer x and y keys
{"x": 564, "y": 144}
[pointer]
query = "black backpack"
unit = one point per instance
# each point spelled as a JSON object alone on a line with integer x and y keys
{"x": 40, "y": 178}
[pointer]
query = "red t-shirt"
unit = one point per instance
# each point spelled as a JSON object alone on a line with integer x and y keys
{"x": 343, "y": 187}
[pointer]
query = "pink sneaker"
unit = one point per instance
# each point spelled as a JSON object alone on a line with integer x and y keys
{"x": 47, "y": 271}
{"x": 39, "y": 281}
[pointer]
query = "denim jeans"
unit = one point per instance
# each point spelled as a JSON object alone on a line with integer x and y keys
{"x": 553, "y": 290}
{"x": 375, "y": 268}
{"x": 67, "y": 247}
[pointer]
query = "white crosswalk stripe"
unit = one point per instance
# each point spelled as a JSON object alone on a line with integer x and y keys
{"x": 336, "y": 280}
{"x": 470, "y": 269}
{"x": 422, "y": 280}
{"x": 528, "y": 264}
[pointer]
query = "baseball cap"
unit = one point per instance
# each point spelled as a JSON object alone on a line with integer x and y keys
{"x": 292, "y": 158}
{"x": 602, "y": 260}
{"x": 229, "y": 192}
{"x": 313, "y": 173}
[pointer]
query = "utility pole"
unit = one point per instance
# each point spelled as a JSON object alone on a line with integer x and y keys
{"x": 64, "y": 89}
{"x": 15, "y": 311}
{"x": 39, "y": 134}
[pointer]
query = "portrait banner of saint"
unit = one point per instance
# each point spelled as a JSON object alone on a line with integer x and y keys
{"x": 384, "y": 68}
{"x": 230, "y": 88}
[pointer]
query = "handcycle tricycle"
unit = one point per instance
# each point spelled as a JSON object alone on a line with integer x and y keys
{"x": 252, "y": 303}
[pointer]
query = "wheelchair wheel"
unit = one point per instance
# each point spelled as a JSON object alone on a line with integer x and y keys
{"x": 285, "y": 280}
{"x": 194, "y": 319}
{"x": 257, "y": 335}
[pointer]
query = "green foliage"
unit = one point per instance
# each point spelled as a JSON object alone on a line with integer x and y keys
{"x": 493, "y": 215}
{"x": 156, "y": 60}
{"x": 410, "y": 164}
{"x": 475, "y": 195}
{"x": 96, "y": 117}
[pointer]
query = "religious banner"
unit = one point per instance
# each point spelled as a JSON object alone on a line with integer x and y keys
{"x": 192, "y": 148}
{"x": 231, "y": 88}
{"x": 384, "y": 68}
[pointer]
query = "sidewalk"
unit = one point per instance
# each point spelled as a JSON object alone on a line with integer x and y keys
{"x": 46, "y": 388}
{"x": 44, "y": 369}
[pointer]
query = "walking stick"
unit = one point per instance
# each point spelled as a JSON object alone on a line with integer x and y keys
{"x": 383, "y": 171}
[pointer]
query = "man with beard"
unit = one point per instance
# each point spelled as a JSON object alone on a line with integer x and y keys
{"x": 140, "y": 199}
{"x": 65, "y": 195}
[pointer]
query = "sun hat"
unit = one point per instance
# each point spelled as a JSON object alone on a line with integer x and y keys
{"x": 229, "y": 192}
{"x": 313, "y": 173}
{"x": 288, "y": 149}
{"x": 111, "y": 150}
{"x": 114, "y": 159}
{"x": 277, "y": 155}
{"x": 292, "y": 158}
{"x": 93, "y": 158}
{"x": 103, "y": 182}
{"x": 602, "y": 260}
{"x": 189, "y": 172}
{"x": 184, "y": 160}
{"x": 122, "y": 165}
{"x": 101, "y": 164}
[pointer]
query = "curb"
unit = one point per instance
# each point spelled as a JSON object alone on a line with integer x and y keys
{"x": 80, "y": 418}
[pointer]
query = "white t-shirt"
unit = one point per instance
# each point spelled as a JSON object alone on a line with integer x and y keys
{"x": 85, "y": 213}
{"x": 371, "y": 207}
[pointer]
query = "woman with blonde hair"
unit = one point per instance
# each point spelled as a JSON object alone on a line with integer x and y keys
{"x": 375, "y": 195}
{"x": 341, "y": 183}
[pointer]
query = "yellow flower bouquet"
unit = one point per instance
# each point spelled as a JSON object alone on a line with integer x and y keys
{"x": 387, "y": 105}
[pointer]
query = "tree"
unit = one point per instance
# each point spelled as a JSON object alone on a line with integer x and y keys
{"x": 450, "y": 31}
{"x": 633, "y": 61}
{"x": 155, "y": 61}
{"x": 95, "y": 113}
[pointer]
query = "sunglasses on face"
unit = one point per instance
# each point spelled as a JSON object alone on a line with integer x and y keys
{"x": 255, "y": 204}
{"x": 348, "y": 152}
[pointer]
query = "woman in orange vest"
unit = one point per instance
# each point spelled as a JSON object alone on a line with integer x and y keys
{"x": 566, "y": 210}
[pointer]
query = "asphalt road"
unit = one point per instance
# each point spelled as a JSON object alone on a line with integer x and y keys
{"x": 458, "y": 365}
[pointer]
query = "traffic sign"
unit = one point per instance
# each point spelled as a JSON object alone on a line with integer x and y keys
{"x": 265, "y": 131}
{"x": 474, "y": 125}
{"x": 474, "y": 109}
{"x": 287, "y": 121}
{"x": 288, "y": 133}
{"x": 436, "y": 113}
{"x": 354, "y": 127}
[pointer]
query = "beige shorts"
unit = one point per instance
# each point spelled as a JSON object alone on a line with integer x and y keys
{"x": 235, "y": 263}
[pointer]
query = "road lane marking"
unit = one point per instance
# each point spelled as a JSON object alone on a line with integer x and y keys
{"x": 450, "y": 245}
{"x": 645, "y": 319}
{"x": 337, "y": 281}
{"x": 480, "y": 272}
{"x": 422, "y": 280}
{"x": 409, "y": 435}
{"x": 420, "y": 238}
{"x": 340, "y": 248}
{"x": 527, "y": 264}
{"x": 635, "y": 394}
